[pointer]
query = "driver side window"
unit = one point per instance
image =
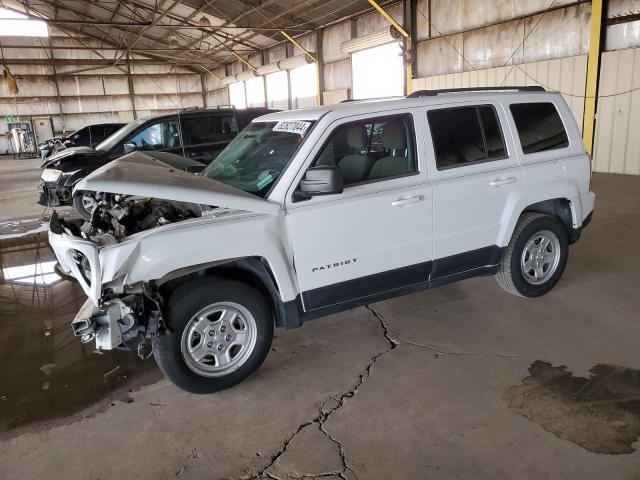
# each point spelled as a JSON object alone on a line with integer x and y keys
{"x": 158, "y": 136}
{"x": 372, "y": 149}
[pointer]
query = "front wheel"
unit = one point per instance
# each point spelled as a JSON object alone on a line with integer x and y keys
{"x": 220, "y": 332}
{"x": 85, "y": 203}
{"x": 536, "y": 256}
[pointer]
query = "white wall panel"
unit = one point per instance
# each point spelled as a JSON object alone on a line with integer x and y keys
{"x": 29, "y": 87}
{"x": 307, "y": 41}
{"x": 115, "y": 84}
{"x": 335, "y": 96}
{"x": 617, "y": 134}
{"x": 439, "y": 56}
{"x": 561, "y": 33}
{"x": 218, "y": 97}
{"x": 332, "y": 38}
{"x": 493, "y": 46}
{"x": 73, "y": 85}
{"x": 278, "y": 53}
{"x": 374, "y": 21}
{"x": 337, "y": 75}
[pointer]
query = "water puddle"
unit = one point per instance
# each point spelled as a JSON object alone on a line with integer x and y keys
{"x": 600, "y": 413}
{"x": 46, "y": 374}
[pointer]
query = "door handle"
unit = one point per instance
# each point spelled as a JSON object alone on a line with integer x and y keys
{"x": 403, "y": 202}
{"x": 502, "y": 181}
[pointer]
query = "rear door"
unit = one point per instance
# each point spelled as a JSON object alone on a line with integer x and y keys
{"x": 206, "y": 135}
{"x": 476, "y": 180}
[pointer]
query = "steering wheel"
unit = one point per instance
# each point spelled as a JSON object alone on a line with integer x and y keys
{"x": 143, "y": 142}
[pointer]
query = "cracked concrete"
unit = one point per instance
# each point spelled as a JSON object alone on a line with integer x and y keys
{"x": 413, "y": 387}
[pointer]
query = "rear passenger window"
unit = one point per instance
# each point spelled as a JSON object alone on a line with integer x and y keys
{"x": 371, "y": 150}
{"x": 208, "y": 129}
{"x": 539, "y": 127}
{"x": 466, "y": 135}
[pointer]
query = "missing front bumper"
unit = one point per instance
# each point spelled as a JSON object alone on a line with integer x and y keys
{"x": 101, "y": 324}
{"x": 52, "y": 195}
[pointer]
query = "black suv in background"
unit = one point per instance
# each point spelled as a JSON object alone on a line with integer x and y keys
{"x": 89, "y": 136}
{"x": 199, "y": 135}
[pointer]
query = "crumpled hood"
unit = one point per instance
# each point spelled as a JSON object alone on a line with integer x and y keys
{"x": 67, "y": 152}
{"x": 142, "y": 175}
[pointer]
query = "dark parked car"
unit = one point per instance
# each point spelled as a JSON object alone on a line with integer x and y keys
{"x": 89, "y": 136}
{"x": 196, "y": 134}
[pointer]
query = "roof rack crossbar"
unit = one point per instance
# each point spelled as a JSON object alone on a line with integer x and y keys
{"x": 521, "y": 88}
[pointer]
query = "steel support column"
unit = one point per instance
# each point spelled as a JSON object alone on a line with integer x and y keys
{"x": 131, "y": 90}
{"x": 314, "y": 58}
{"x": 593, "y": 73}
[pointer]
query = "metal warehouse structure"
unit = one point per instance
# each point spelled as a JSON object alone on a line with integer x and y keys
{"x": 122, "y": 60}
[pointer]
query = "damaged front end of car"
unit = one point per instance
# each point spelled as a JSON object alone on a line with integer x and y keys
{"x": 136, "y": 236}
{"x": 115, "y": 315}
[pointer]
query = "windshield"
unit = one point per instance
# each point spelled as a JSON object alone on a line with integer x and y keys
{"x": 116, "y": 138}
{"x": 255, "y": 158}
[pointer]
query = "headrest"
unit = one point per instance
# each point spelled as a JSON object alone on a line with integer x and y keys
{"x": 393, "y": 136}
{"x": 357, "y": 137}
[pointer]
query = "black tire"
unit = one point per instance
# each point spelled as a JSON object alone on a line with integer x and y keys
{"x": 191, "y": 298}
{"x": 511, "y": 276}
{"x": 78, "y": 205}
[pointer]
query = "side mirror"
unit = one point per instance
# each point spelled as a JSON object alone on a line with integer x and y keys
{"x": 68, "y": 143}
{"x": 129, "y": 147}
{"x": 325, "y": 180}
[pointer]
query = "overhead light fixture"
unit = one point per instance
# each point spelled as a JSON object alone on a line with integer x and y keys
{"x": 173, "y": 42}
{"x": 204, "y": 22}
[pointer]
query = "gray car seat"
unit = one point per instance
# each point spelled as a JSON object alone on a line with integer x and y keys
{"x": 394, "y": 139}
{"x": 355, "y": 166}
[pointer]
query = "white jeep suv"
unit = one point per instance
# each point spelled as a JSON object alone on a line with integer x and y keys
{"x": 311, "y": 212}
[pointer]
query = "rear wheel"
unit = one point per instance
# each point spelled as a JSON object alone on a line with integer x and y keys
{"x": 220, "y": 333}
{"x": 536, "y": 256}
{"x": 84, "y": 203}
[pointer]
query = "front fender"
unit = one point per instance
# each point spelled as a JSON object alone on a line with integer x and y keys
{"x": 157, "y": 253}
{"x": 69, "y": 179}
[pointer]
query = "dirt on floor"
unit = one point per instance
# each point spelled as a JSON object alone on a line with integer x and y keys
{"x": 462, "y": 381}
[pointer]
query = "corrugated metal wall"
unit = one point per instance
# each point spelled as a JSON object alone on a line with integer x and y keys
{"x": 565, "y": 75}
{"x": 617, "y": 136}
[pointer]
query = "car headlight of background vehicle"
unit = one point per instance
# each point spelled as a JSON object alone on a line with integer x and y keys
{"x": 51, "y": 175}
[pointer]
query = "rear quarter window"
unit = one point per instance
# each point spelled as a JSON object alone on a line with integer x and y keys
{"x": 539, "y": 126}
{"x": 200, "y": 130}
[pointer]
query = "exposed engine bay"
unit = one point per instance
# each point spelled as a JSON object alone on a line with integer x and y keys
{"x": 127, "y": 317}
{"x": 116, "y": 216}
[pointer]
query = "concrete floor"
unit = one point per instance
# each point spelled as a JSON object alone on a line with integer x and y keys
{"x": 19, "y": 188}
{"x": 463, "y": 381}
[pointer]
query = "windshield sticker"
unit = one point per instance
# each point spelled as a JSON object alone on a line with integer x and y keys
{"x": 264, "y": 179}
{"x": 292, "y": 126}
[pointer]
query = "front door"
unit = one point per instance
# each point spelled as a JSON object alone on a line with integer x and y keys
{"x": 376, "y": 237}
{"x": 160, "y": 136}
{"x": 477, "y": 180}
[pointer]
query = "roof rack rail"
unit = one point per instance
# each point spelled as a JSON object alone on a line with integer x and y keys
{"x": 351, "y": 100}
{"x": 430, "y": 93}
